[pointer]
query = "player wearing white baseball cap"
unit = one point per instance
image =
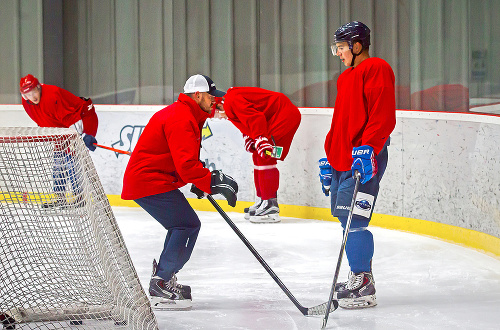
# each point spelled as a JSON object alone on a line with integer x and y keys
{"x": 201, "y": 83}
{"x": 165, "y": 158}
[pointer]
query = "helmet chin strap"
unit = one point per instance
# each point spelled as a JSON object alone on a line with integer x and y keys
{"x": 354, "y": 56}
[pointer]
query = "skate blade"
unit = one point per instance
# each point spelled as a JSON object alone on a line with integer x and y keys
{"x": 63, "y": 205}
{"x": 270, "y": 218}
{"x": 357, "y": 303}
{"x": 163, "y": 304}
{"x": 247, "y": 216}
{"x": 52, "y": 205}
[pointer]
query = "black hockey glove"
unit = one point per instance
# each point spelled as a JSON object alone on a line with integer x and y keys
{"x": 197, "y": 191}
{"x": 224, "y": 185}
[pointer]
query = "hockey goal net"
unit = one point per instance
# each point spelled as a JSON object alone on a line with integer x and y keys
{"x": 63, "y": 261}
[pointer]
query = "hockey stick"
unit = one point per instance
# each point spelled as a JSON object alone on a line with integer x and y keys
{"x": 315, "y": 310}
{"x": 342, "y": 248}
{"x": 113, "y": 149}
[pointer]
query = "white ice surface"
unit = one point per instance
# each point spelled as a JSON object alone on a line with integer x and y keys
{"x": 421, "y": 283}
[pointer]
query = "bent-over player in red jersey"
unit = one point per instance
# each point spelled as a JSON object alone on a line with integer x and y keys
{"x": 52, "y": 106}
{"x": 266, "y": 119}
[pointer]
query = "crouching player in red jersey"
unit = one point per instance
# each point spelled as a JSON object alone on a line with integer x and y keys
{"x": 52, "y": 106}
{"x": 363, "y": 119}
{"x": 167, "y": 157}
{"x": 266, "y": 119}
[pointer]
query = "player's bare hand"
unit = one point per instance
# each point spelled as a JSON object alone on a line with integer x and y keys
{"x": 220, "y": 115}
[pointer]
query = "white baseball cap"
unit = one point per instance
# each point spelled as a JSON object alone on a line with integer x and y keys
{"x": 201, "y": 83}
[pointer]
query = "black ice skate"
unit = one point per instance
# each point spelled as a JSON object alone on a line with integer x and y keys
{"x": 166, "y": 296}
{"x": 53, "y": 203}
{"x": 267, "y": 212}
{"x": 60, "y": 201}
{"x": 182, "y": 288}
{"x": 357, "y": 292}
{"x": 249, "y": 211}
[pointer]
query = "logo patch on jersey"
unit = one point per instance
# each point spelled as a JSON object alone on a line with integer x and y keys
{"x": 363, "y": 205}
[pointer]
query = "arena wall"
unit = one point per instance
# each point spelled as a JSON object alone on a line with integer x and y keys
{"x": 442, "y": 180}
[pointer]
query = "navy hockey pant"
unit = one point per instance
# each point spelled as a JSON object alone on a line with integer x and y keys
{"x": 359, "y": 246}
{"x": 65, "y": 169}
{"x": 172, "y": 211}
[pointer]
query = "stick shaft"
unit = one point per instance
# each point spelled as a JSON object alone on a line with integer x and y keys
{"x": 113, "y": 149}
{"x": 342, "y": 248}
{"x": 302, "y": 309}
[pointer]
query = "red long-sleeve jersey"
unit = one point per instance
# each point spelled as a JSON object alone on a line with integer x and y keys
{"x": 60, "y": 108}
{"x": 259, "y": 112}
{"x": 364, "y": 113}
{"x": 167, "y": 154}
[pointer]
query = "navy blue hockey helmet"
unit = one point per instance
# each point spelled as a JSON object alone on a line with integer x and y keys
{"x": 352, "y": 32}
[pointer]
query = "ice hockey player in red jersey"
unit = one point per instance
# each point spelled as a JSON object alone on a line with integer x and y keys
{"x": 52, "y": 106}
{"x": 266, "y": 119}
{"x": 363, "y": 119}
{"x": 166, "y": 158}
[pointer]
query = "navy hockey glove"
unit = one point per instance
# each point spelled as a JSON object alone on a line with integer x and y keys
{"x": 225, "y": 185}
{"x": 325, "y": 175}
{"x": 89, "y": 141}
{"x": 363, "y": 160}
{"x": 264, "y": 148}
{"x": 249, "y": 144}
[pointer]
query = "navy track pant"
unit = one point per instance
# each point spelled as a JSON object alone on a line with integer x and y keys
{"x": 172, "y": 211}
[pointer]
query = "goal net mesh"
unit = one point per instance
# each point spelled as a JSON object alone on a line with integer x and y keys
{"x": 63, "y": 260}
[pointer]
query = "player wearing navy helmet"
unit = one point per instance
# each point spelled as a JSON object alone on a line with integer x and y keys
{"x": 351, "y": 33}
{"x": 364, "y": 117}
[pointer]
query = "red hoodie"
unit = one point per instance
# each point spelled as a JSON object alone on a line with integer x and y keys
{"x": 60, "y": 108}
{"x": 167, "y": 155}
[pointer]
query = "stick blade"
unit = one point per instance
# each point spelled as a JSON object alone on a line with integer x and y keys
{"x": 321, "y": 309}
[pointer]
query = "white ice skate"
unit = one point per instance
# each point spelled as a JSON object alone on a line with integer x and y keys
{"x": 267, "y": 212}
{"x": 249, "y": 211}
